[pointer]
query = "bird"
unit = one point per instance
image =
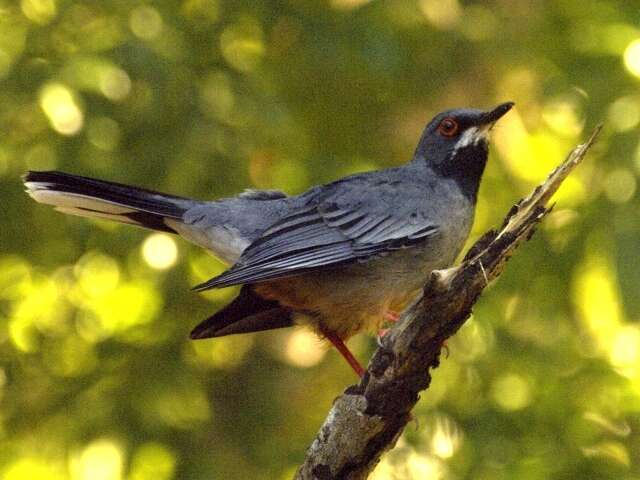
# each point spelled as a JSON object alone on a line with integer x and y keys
{"x": 341, "y": 258}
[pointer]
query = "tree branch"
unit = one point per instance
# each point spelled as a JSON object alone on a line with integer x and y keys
{"x": 367, "y": 419}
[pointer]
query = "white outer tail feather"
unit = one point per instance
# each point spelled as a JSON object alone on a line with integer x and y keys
{"x": 93, "y": 198}
{"x": 80, "y": 205}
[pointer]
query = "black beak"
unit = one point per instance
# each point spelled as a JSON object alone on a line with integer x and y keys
{"x": 497, "y": 113}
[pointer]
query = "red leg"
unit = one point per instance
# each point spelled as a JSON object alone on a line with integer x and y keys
{"x": 345, "y": 352}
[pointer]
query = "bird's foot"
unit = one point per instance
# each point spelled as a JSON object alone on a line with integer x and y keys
{"x": 381, "y": 333}
{"x": 391, "y": 316}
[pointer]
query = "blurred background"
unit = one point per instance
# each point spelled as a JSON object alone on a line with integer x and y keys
{"x": 202, "y": 98}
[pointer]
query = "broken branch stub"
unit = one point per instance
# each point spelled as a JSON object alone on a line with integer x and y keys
{"x": 367, "y": 419}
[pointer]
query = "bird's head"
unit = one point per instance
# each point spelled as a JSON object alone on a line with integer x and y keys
{"x": 455, "y": 144}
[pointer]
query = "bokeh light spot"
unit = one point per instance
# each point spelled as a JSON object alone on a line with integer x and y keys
{"x": 421, "y": 466}
{"x": 37, "y": 308}
{"x": 217, "y": 95}
{"x": 528, "y": 156}
{"x": 224, "y": 353}
{"x": 160, "y": 251}
{"x": 145, "y": 22}
{"x": 618, "y": 428}
{"x": 631, "y": 57}
{"x": 152, "y": 461}
{"x": 625, "y": 351}
{"x": 614, "y": 451}
{"x": 203, "y": 10}
{"x": 61, "y": 108}
{"x": 114, "y": 83}
{"x": 289, "y": 175}
{"x": 39, "y": 11}
{"x": 624, "y": 114}
{"x": 598, "y": 299}
{"x": 620, "y": 185}
{"x": 100, "y": 460}
{"x": 22, "y": 335}
{"x": 181, "y": 406}
{"x": 242, "y": 45}
{"x": 442, "y": 14}
{"x": 511, "y": 392}
{"x": 104, "y": 133}
{"x": 563, "y": 116}
{"x": 474, "y": 340}
{"x": 446, "y": 438}
{"x": 97, "y": 274}
{"x": 130, "y": 305}
{"x": 572, "y": 192}
{"x": 304, "y": 349}
{"x": 30, "y": 469}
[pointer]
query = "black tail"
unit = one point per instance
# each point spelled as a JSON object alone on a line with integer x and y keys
{"x": 247, "y": 313}
{"x": 89, "y": 197}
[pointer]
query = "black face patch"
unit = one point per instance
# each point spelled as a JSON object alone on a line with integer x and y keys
{"x": 465, "y": 165}
{"x": 455, "y": 145}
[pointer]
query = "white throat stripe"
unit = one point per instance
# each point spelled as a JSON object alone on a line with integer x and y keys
{"x": 472, "y": 135}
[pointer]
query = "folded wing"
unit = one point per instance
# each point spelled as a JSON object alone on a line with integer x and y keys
{"x": 324, "y": 235}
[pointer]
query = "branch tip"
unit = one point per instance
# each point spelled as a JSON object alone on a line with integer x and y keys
{"x": 351, "y": 440}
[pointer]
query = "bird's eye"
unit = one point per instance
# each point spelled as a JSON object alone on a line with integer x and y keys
{"x": 448, "y": 127}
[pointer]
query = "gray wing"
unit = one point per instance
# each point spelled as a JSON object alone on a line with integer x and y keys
{"x": 327, "y": 234}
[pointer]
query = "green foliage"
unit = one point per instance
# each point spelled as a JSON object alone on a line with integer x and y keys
{"x": 203, "y": 98}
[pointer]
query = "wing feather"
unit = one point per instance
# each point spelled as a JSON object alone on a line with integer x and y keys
{"x": 321, "y": 237}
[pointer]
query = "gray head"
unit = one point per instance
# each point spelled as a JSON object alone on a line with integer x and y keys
{"x": 455, "y": 144}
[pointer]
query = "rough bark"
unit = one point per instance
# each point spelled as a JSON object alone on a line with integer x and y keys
{"x": 367, "y": 419}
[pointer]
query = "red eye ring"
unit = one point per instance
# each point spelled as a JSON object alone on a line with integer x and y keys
{"x": 448, "y": 127}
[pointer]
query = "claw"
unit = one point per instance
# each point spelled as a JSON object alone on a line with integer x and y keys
{"x": 381, "y": 334}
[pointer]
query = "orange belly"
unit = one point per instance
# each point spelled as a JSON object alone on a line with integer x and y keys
{"x": 344, "y": 307}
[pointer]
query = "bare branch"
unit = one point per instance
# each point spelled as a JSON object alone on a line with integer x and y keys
{"x": 367, "y": 419}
